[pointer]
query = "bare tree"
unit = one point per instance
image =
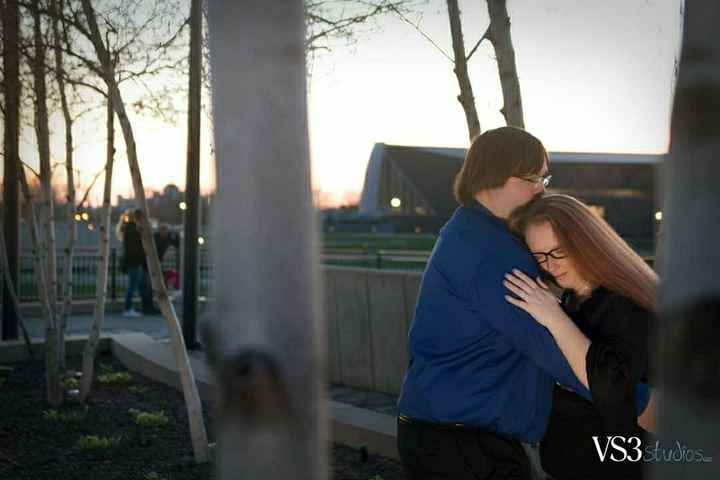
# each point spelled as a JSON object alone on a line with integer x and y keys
{"x": 56, "y": 6}
{"x": 192, "y": 398}
{"x": 466, "y": 97}
{"x": 11, "y": 112}
{"x": 498, "y": 33}
{"x": 689, "y": 416}
{"x": 90, "y": 351}
{"x": 47, "y": 214}
{"x": 52, "y": 373}
{"x": 499, "y": 36}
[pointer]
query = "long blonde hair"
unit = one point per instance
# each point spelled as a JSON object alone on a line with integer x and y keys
{"x": 596, "y": 250}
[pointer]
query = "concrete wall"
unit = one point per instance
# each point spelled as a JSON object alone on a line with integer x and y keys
{"x": 368, "y": 315}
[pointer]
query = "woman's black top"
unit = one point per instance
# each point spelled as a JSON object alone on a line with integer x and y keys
{"x": 616, "y": 361}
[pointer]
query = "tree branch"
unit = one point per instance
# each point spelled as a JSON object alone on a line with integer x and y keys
{"x": 485, "y": 35}
{"x": 421, "y": 32}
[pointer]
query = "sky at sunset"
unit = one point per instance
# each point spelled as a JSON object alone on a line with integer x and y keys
{"x": 594, "y": 76}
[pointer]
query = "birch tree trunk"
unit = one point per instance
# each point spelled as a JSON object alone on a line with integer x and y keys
{"x": 689, "y": 406}
{"x": 52, "y": 348}
{"x": 90, "y": 351}
{"x": 466, "y": 97}
{"x": 192, "y": 398}
{"x": 56, "y": 7}
{"x": 267, "y": 339}
{"x": 499, "y": 35}
{"x": 42, "y": 131}
{"x": 52, "y": 373}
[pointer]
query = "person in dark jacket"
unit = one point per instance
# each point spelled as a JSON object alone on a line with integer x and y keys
{"x": 134, "y": 264}
{"x": 609, "y": 309}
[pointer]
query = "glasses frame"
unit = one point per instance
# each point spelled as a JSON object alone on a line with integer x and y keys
{"x": 551, "y": 253}
{"x": 543, "y": 180}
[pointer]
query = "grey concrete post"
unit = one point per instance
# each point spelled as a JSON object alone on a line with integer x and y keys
{"x": 689, "y": 406}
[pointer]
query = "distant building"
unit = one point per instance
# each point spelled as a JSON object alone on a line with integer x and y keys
{"x": 411, "y": 187}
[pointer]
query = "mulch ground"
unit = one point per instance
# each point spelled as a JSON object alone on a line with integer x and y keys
{"x": 33, "y": 446}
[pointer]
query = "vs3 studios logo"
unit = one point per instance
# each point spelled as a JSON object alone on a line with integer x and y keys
{"x": 630, "y": 449}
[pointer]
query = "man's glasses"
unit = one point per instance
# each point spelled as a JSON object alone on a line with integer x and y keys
{"x": 538, "y": 179}
{"x": 556, "y": 253}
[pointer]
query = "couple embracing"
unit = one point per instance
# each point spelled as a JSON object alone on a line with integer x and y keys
{"x": 531, "y": 327}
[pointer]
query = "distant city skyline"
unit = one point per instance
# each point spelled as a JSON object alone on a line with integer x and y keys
{"x": 595, "y": 77}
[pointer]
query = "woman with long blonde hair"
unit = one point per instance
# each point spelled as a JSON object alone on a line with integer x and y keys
{"x": 601, "y": 325}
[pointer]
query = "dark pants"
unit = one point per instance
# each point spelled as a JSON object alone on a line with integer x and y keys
{"x": 436, "y": 452}
{"x": 138, "y": 280}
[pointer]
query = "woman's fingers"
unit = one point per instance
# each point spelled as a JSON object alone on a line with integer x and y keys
{"x": 509, "y": 277}
{"x": 541, "y": 283}
{"x": 520, "y": 292}
{"x": 524, "y": 278}
{"x": 516, "y": 302}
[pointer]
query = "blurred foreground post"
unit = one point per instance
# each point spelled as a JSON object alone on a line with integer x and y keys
{"x": 266, "y": 339}
{"x": 689, "y": 407}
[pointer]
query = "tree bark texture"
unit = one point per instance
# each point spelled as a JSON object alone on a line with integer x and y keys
{"x": 466, "y": 97}
{"x": 198, "y": 433}
{"x": 52, "y": 372}
{"x": 90, "y": 351}
{"x": 689, "y": 405}
{"x": 192, "y": 178}
{"x": 499, "y": 36}
{"x": 266, "y": 340}
{"x": 11, "y": 161}
{"x": 56, "y": 6}
{"x": 42, "y": 131}
{"x": 52, "y": 338}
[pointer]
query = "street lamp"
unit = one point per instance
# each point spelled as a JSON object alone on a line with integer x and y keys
{"x": 183, "y": 206}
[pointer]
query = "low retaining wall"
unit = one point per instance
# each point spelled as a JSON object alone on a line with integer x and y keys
{"x": 368, "y": 315}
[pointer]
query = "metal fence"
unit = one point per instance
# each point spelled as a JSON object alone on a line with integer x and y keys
{"x": 86, "y": 262}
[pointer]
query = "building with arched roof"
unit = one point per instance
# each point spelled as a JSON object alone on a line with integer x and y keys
{"x": 411, "y": 187}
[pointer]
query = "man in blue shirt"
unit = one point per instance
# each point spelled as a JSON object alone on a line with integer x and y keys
{"x": 482, "y": 371}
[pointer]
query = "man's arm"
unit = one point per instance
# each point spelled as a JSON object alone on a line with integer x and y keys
{"x": 519, "y": 328}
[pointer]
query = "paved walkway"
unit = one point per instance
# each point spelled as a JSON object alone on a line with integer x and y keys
{"x": 152, "y": 325}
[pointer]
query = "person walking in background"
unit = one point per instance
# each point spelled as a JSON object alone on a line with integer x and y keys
{"x": 134, "y": 263}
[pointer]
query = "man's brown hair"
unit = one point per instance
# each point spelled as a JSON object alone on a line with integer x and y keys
{"x": 495, "y": 156}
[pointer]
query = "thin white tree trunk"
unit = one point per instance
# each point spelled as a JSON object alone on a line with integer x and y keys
{"x": 689, "y": 405}
{"x": 499, "y": 35}
{"x": 192, "y": 398}
{"x": 90, "y": 350}
{"x": 466, "y": 97}
{"x": 52, "y": 350}
{"x": 52, "y": 374}
{"x": 266, "y": 340}
{"x": 56, "y": 6}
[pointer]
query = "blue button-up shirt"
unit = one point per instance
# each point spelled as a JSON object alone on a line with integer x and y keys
{"x": 475, "y": 358}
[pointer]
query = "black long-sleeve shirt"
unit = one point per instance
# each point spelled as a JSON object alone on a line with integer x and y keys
{"x": 616, "y": 360}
